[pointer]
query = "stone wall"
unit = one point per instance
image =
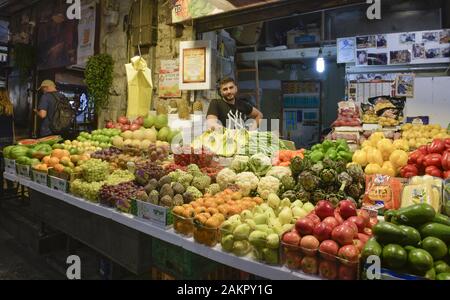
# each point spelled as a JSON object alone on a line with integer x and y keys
{"x": 115, "y": 42}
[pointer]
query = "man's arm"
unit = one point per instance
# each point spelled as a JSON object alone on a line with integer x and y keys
{"x": 212, "y": 122}
{"x": 257, "y": 115}
{"x": 41, "y": 113}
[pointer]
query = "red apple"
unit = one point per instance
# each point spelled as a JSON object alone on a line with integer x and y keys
{"x": 135, "y": 127}
{"x": 309, "y": 242}
{"x": 365, "y": 215}
{"x": 291, "y": 238}
{"x": 125, "y": 127}
{"x": 349, "y": 253}
{"x": 352, "y": 226}
{"x": 322, "y": 231}
{"x": 347, "y": 209}
{"x": 305, "y": 226}
{"x": 372, "y": 222}
{"x": 309, "y": 265}
{"x": 314, "y": 218}
{"x": 368, "y": 231}
{"x": 331, "y": 222}
{"x": 343, "y": 235}
{"x": 359, "y": 245}
{"x": 363, "y": 237}
{"x": 330, "y": 248}
{"x": 346, "y": 272}
{"x": 324, "y": 209}
{"x": 292, "y": 260}
{"x": 359, "y": 222}
{"x": 328, "y": 270}
{"x": 109, "y": 124}
{"x": 337, "y": 216}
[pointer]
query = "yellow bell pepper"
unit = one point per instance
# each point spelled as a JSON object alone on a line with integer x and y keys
{"x": 374, "y": 156}
{"x": 373, "y": 169}
{"x": 360, "y": 157}
{"x": 399, "y": 159}
{"x": 388, "y": 169}
{"x": 401, "y": 145}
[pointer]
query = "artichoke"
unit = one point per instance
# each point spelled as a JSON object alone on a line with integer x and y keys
{"x": 329, "y": 164}
{"x": 298, "y": 165}
{"x": 344, "y": 179}
{"x": 319, "y": 195}
{"x": 328, "y": 176}
{"x": 291, "y": 195}
{"x": 340, "y": 166}
{"x": 308, "y": 181}
{"x": 357, "y": 173}
{"x": 303, "y": 195}
{"x": 334, "y": 199}
{"x": 288, "y": 183}
{"x": 317, "y": 168}
{"x": 355, "y": 190}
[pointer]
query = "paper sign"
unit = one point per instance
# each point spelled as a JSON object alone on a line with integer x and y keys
{"x": 10, "y": 166}
{"x": 40, "y": 178}
{"x": 58, "y": 184}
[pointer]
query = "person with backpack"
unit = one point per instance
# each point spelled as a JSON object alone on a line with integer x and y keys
{"x": 55, "y": 111}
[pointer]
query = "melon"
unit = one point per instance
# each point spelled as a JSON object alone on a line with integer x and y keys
{"x": 118, "y": 141}
{"x": 28, "y": 143}
{"x": 50, "y": 140}
{"x": 149, "y": 122}
{"x": 161, "y": 121}
{"x": 163, "y": 134}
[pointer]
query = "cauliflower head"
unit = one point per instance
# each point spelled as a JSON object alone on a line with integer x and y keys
{"x": 268, "y": 185}
{"x": 247, "y": 182}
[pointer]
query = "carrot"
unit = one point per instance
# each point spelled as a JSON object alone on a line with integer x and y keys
{"x": 285, "y": 164}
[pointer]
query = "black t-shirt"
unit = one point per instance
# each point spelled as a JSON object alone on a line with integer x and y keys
{"x": 220, "y": 108}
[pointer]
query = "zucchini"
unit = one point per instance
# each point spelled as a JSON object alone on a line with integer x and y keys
{"x": 415, "y": 215}
{"x": 441, "y": 219}
{"x": 437, "y": 230}
{"x": 413, "y": 237}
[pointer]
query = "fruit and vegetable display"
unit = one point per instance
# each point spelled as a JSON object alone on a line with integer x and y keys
{"x": 328, "y": 241}
{"x": 334, "y": 150}
{"x": 385, "y": 111}
{"x": 413, "y": 240}
{"x": 348, "y": 115}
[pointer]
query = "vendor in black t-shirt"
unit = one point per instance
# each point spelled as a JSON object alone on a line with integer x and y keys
{"x": 230, "y": 106}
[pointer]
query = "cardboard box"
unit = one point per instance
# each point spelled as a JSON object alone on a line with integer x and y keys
{"x": 40, "y": 177}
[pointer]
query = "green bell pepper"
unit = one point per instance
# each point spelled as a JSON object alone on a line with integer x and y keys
{"x": 345, "y": 155}
{"x": 326, "y": 145}
{"x": 316, "y": 156}
{"x": 332, "y": 154}
{"x": 317, "y": 147}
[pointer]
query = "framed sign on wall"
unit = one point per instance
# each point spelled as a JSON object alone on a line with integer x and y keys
{"x": 196, "y": 66}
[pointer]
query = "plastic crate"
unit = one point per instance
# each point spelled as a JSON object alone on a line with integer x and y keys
{"x": 179, "y": 262}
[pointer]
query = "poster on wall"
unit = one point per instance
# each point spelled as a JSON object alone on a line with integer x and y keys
{"x": 346, "y": 50}
{"x": 86, "y": 33}
{"x": 169, "y": 79}
{"x": 195, "y": 66}
{"x": 404, "y": 85}
{"x": 57, "y": 39}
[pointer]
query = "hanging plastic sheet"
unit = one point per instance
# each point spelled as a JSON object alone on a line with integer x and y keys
{"x": 140, "y": 87}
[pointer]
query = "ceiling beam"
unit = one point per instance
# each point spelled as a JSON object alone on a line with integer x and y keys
{"x": 267, "y": 12}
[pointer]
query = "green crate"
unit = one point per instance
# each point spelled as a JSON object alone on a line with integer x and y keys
{"x": 179, "y": 262}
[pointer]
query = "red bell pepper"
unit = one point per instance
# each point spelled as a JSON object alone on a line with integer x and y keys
{"x": 437, "y": 146}
{"x": 446, "y": 160}
{"x": 416, "y": 158}
{"x": 446, "y": 175}
{"x": 433, "y": 159}
{"x": 433, "y": 171}
{"x": 409, "y": 171}
{"x": 423, "y": 149}
{"x": 447, "y": 143}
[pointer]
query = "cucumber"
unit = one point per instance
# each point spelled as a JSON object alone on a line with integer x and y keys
{"x": 443, "y": 276}
{"x": 441, "y": 219}
{"x": 388, "y": 233}
{"x": 437, "y": 230}
{"x": 388, "y": 215}
{"x": 415, "y": 215}
{"x": 413, "y": 237}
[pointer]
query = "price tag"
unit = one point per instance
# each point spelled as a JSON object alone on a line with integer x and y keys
{"x": 40, "y": 177}
{"x": 10, "y": 166}
{"x": 58, "y": 184}
{"x": 24, "y": 171}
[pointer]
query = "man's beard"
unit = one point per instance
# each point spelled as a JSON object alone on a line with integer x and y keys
{"x": 229, "y": 98}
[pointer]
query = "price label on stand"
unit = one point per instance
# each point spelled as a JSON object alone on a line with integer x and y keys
{"x": 23, "y": 171}
{"x": 40, "y": 178}
{"x": 10, "y": 166}
{"x": 58, "y": 184}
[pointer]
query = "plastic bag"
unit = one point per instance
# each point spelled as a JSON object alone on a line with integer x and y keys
{"x": 382, "y": 193}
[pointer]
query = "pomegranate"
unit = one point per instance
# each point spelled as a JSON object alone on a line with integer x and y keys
{"x": 139, "y": 121}
{"x": 123, "y": 120}
{"x": 118, "y": 126}
{"x": 125, "y": 128}
{"x": 347, "y": 209}
{"x": 135, "y": 127}
{"x": 109, "y": 124}
{"x": 305, "y": 226}
{"x": 343, "y": 235}
{"x": 324, "y": 209}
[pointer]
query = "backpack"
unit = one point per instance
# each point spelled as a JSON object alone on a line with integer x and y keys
{"x": 63, "y": 116}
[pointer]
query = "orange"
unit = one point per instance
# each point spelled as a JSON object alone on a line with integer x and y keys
{"x": 65, "y": 153}
{"x": 53, "y": 161}
{"x": 46, "y": 160}
{"x": 58, "y": 153}
{"x": 59, "y": 168}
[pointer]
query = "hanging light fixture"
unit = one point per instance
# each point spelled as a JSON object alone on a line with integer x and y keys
{"x": 320, "y": 62}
